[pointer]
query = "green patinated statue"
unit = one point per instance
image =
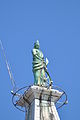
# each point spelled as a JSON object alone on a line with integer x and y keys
{"x": 40, "y": 67}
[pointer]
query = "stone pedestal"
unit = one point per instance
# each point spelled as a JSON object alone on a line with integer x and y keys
{"x": 39, "y": 103}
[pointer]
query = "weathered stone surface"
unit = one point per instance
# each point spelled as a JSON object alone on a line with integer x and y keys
{"x": 40, "y": 103}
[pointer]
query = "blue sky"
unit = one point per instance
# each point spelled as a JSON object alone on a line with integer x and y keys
{"x": 56, "y": 24}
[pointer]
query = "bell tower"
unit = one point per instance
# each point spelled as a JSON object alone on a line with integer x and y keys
{"x": 40, "y": 99}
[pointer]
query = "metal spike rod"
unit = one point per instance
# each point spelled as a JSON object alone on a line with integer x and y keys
{"x": 8, "y": 68}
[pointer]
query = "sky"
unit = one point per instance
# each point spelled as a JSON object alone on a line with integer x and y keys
{"x": 56, "y": 24}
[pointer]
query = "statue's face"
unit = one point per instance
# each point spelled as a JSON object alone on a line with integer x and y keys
{"x": 36, "y": 45}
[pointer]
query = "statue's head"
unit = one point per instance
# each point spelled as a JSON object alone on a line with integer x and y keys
{"x": 36, "y": 44}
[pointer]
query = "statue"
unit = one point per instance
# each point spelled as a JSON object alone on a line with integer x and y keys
{"x": 40, "y": 66}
